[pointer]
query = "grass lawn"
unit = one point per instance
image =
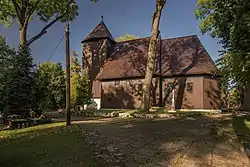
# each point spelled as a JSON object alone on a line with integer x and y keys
{"x": 45, "y": 145}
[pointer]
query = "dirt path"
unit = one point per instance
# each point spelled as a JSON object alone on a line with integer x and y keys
{"x": 188, "y": 142}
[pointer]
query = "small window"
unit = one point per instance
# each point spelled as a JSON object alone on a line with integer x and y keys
{"x": 117, "y": 83}
{"x": 189, "y": 87}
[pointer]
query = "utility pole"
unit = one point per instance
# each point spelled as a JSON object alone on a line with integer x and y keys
{"x": 68, "y": 121}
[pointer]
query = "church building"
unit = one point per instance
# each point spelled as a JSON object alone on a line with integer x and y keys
{"x": 185, "y": 76}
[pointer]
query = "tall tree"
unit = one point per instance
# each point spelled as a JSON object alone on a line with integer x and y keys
{"x": 147, "y": 84}
{"x": 48, "y": 11}
{"x": 7, "y": 55}
{"x": 126, "y": 37}
{"x": 20, "y": 89}
{"x": 74, "y": 79}
{"x": 79, "y": 92}
{"x": 228, "y": 20}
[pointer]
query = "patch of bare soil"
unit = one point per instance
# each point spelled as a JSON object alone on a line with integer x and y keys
{"x": 189, "y": 142}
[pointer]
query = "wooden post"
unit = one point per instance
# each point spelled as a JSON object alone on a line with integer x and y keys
{"x": 68, "y": 121}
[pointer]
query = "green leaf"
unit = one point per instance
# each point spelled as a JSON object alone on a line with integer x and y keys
{"x": 127, "y": 37}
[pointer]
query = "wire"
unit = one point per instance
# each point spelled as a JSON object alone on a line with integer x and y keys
{"x": 54, "y": 51}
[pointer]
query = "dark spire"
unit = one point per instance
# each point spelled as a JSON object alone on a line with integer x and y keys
{"x": 100, "y": 31}
{"x": 102, "y": 17}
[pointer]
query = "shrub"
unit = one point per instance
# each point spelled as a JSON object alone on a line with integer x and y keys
{"x": 44, "y": 121}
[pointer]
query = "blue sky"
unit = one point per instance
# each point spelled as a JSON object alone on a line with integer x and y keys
{"x": 121, "y": 17}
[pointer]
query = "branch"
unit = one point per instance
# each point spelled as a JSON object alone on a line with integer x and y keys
{"x": 32, "y": 10}
{"x": 44, "y": 30}
{"x": 18, "y": 10}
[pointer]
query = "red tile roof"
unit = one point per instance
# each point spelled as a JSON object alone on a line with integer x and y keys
{"x": 180, "y": 56}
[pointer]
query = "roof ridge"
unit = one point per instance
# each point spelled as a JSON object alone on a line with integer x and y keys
{"x": 180, "y": 37}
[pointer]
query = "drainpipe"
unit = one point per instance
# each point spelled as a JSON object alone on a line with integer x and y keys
{"x": 160, "y": 71}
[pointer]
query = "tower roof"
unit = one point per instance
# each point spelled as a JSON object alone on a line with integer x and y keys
{"x": 100, "y": 31}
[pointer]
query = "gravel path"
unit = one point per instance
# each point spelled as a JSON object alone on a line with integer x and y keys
{"x": 187, "y": 142}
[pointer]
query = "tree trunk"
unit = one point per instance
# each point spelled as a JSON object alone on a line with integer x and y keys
{"x": 151, "y": 55}
{"x": 23, "y": 35}
{"x": 246, "y": 101}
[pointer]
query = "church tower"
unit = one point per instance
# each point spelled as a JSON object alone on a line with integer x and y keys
{"x": 95, "y": 50}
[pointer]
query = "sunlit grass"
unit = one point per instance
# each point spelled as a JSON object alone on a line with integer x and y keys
{"x": 247, "y": 123}
{"x": 35, "y": 130}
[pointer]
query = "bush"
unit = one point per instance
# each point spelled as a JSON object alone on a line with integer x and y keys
{"x": 32, "y": 114}
{"x": 44, "y": 121}
{"x": 92, "y": 105}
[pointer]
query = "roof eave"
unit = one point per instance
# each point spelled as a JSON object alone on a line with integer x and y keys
{"x": 97, "y": 38}
{"x": 157, "y": 75}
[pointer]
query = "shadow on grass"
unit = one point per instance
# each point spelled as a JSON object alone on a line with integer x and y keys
{"x": 45, "y": 145}
{"x": 241, "y": 126}
{"x": 160, "y": 142}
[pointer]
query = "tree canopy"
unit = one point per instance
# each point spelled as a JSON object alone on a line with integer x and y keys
{"x": 16, "y": 77}
{"x": 21, "y": 79}
{"x": 48, "y": 11}
{"x": 228, "y": 20}
{"x": 126, "y": 37}
{"x": 6, "y": 56}
{"x": 50, "y": 92}
{"x": 79, "y": 91}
